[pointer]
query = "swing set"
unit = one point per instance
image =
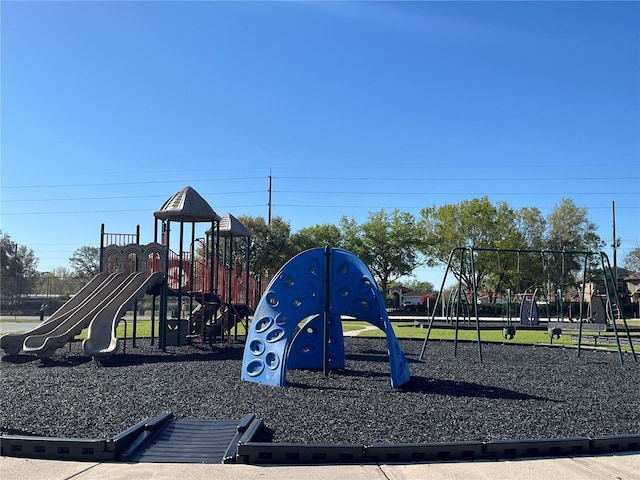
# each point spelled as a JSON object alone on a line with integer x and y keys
{"x": 466, "y": 256}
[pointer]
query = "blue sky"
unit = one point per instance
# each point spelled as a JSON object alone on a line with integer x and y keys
{"x": 108, "y": 108}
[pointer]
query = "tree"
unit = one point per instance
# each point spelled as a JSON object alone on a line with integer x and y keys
{"x": 631, "y": 260}
{"x": 570, "y": 229}
{"x": 270, "y": 248}
{"x": 421, "y": 286}
{"x": 526, "y": 271}
{"x": 18, "y": 267}
{"x": 387, "y": 243}
{"x": 85, "y": 262}
{"x": 325, "y": 235}
{"x": 472, "y": 223}
{"x": 531, "y": 226}
{"x": 64, "y": 282}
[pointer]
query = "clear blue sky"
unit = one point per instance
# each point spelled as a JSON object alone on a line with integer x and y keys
{"x": 108, "y": 108}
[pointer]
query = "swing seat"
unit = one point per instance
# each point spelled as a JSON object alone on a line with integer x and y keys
{"x": 509, "y": 332}
{"x": 554, "y": 332}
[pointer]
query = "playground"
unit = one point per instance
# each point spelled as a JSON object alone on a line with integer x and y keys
{"x": 198, "y": 291}
{"x": 518, "y": 392}
{"x": 295, "y": 370}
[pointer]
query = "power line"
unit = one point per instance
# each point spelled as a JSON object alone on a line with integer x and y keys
{"x": 79, "y": 212}
{"x": 355, "y": 178}
{"x": 327, "y": 192}
{"x": 309, "y": 192}
{"x": 112, "y": 184}
{"x": 118, "y": 197}
{"x": 457, "y": 178}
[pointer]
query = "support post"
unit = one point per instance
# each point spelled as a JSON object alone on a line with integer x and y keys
{"x": 162, "y": 333}
{"x": 153, "y": 322}
{"x": 101, "y": 247}
{"x": 327, "y": 311}
{"x": 475, "y": 299}
{"x": 229, "y": 290}
{"x": 135, "y": 324}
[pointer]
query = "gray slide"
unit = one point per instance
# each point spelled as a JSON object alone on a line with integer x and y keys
{"x": 44, "y": 344}
{"x": 102, "y": 339}
{"x": 12, "y": 343}
{"x": 104, "y": 294}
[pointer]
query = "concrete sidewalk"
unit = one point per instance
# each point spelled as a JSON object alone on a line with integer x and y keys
{"x": 618, "y": 467}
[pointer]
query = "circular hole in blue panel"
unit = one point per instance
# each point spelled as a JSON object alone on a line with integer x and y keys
{"x": 308, "y": 349}
{"x": 310, "y": 330}
{"x": 297, "y": 302}
{"x": 272, "y": 299}
{"x": 289, "y": 281}
{"x": 365, "y": 283}
{"x": 281, "y": 319}
{"x": 256, "y": 346}
{"x": 310, "y": 289}
{"x": 263, "y": 324}
{"x": 362, "y": 304}
{"x": 255, "y": 367}
{"x": 314, "y": 267}
{"x": 272, "y": 360}
{"x": 344, "y": 292}
{"x": 275, "y": 335}
{"x": 344, "y": 268}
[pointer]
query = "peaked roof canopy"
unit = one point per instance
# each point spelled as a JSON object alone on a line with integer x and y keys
{"x": 186, "y": 206}
{"x": 231, "y": 226}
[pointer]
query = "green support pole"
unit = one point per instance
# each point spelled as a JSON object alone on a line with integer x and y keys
{"x": 440, "y": 298}
{"x": 455, "y": 337}
{"x": 475, "y": 300}
{"x": 614, "y": 298}
{"x": 584, "y": 274}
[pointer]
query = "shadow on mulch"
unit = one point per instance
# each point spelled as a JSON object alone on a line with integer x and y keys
{"x": 130, "y": 358}
{"x": 419, "y": 384}
{"x": 19, "y": 359}
{"x": 368, "y": 356}
{"x": 70, "y": 361}
{"x": 139, "y": 359}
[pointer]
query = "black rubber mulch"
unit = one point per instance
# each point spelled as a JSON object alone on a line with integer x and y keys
{"x": 517, "y": 392}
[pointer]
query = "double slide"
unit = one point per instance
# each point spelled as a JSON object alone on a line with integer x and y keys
{"x": 99, "y": 305}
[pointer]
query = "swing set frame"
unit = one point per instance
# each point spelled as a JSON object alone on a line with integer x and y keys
{"x": 461, "y": 253}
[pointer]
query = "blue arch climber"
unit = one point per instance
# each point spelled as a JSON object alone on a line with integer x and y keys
{"x": 297, "y": 323}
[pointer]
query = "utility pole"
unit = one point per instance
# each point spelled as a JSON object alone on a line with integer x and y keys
{"x": 269, "y": 212}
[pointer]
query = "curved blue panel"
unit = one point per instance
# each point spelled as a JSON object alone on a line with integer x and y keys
{"x": 307, "y": 346}
{"x": 288, "y": 330}
{"x": 354, "y": 292}
{"x": 295, "y": 293}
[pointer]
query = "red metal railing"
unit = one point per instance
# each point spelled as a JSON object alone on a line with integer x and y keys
{"x": 199, "y": 280}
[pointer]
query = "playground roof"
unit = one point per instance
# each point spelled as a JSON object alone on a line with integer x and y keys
{"x": 231, "y": 226}
{"x": 627, "y": 275}
{"x": 186, "y": 206}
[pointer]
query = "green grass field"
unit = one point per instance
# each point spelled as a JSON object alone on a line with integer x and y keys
{"x": 407, "y": 330}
